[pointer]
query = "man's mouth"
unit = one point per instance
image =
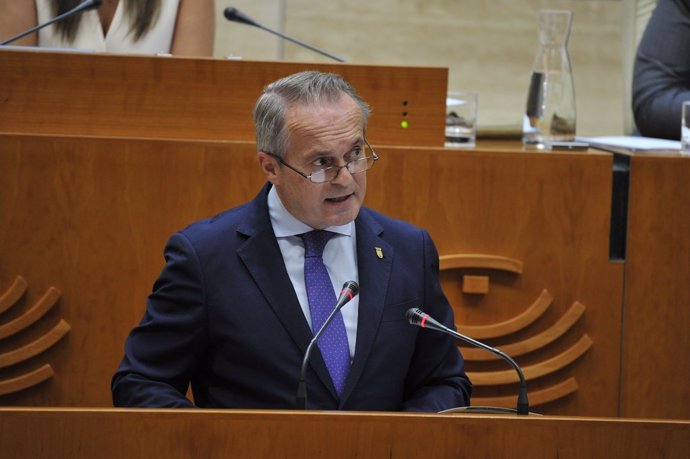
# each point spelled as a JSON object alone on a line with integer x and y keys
{"x": 338, "y": 199}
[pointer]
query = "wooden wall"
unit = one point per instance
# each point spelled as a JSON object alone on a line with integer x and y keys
{"x": 87, "y": 204}
{"x": 89, "y": 217}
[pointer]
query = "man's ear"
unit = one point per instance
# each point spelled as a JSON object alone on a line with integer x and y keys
{"x": 269, "y": 166}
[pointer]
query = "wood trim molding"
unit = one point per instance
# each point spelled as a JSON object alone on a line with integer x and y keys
{"x": 478, "y": 260}
{"x": 536, "y": 398}
{"x": 38, "y": 310}
{"x": 36, "y": 347}
{"x": 533, "y": 343}
{"x": 493, "y": 378}
{"x": 13, "y": 294}
{"x": 26, "y": 380}
{"x": 513, "y": 324}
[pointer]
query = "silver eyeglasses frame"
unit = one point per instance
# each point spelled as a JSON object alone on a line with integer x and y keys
{"x": 314, "y": 176}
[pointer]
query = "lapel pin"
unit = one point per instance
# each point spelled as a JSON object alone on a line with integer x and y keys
{"x": 379, "y": 252}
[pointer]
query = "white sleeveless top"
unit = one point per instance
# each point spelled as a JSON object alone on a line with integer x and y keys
{"x": 118, "y": 39}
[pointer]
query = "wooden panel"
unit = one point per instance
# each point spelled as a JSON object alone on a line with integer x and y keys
{"x": 90, "y": 216}
{"x": 550, "y": 212}
{"x": 209, "y": 433}
{"x": 656, "y": 335}
{"x": 175, "y": 97}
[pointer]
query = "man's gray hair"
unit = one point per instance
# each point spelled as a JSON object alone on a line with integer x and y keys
{"x": 306, "y": 88}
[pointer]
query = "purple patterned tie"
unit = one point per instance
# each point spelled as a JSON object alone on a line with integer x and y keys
{"x": 333, "y": 341}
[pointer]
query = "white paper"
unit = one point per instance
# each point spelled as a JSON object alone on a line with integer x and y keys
{"x": 633, "y": 143}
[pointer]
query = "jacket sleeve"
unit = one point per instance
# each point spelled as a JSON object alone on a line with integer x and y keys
{"x": 436, "y": 380}
{"x": 160, "y": 352}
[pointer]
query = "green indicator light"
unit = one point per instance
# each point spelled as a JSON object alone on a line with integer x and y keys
{"x": 404, "y": 124}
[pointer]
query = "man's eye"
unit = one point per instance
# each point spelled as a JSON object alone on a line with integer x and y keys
{"x": 322, "y": 162}
{"x": 355, "y": 154}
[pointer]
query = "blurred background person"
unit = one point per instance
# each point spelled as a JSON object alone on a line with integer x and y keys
{"x": 184, "y": 27}
{"x": 661, "y": 78}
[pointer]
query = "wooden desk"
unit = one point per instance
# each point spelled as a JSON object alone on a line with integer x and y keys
{"x": 90, "y": 216}
{"x": 108, "y": 433}
{"x": 656, "y": 314}
{"x": 193, "y": 98}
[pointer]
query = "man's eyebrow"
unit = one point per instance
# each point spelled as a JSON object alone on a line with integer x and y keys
{"x": 357, "y": 142}
{"x": 320, "y": 153}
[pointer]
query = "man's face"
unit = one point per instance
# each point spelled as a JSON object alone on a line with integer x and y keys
{"x": 320, "y": 135}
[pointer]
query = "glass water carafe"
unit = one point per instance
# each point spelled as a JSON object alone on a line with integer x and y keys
{"x": 550, "y": 113}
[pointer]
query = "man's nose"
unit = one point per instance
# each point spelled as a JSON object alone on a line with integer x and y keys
{"x": 343, "y": 176}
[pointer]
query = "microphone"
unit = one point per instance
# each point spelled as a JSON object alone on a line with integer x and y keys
{"x": 418, "y": 317}
{"x": 233, "y": 14}
{"x": 84, "y": 6}
{"x": 349, "y": 291}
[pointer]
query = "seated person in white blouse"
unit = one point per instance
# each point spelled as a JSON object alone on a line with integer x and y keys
{"x": 181, "y": 27}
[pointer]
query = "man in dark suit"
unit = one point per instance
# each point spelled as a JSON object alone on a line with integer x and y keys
{"x": 240, "y": 297}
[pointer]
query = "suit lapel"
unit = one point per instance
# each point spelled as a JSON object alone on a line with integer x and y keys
{"x": 374, "y": 261}
{"x": 263, "y": 259}
{"x": 261, "y": 255}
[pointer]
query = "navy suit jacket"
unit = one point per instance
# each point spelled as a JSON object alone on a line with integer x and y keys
{"x": 224, "y": 317}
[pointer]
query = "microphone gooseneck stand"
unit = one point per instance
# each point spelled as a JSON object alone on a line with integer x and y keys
{"x": 233, "y": 14}
{"x": 418, "y": 317}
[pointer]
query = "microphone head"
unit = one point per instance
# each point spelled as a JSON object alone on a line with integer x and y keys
{"x": 415, "y": 316}
{"x": 233, "y": 14}
{"x": 352, "y": 287}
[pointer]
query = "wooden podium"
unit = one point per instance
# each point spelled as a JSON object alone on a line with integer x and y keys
{"x": 110, "y": 433}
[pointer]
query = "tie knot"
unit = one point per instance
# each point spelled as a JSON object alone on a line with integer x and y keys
{"x": 315, "y": 241}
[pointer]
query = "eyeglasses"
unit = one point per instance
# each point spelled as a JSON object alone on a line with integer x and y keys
{"x": 362, "y": 162}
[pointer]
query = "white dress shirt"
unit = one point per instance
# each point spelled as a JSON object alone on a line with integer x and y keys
{"x": 339, "y": 256}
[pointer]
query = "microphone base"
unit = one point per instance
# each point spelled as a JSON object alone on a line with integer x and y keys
{"x": 484, "y": 410}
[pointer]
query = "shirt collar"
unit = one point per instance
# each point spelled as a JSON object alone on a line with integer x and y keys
{"x": 285, "y": 224}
